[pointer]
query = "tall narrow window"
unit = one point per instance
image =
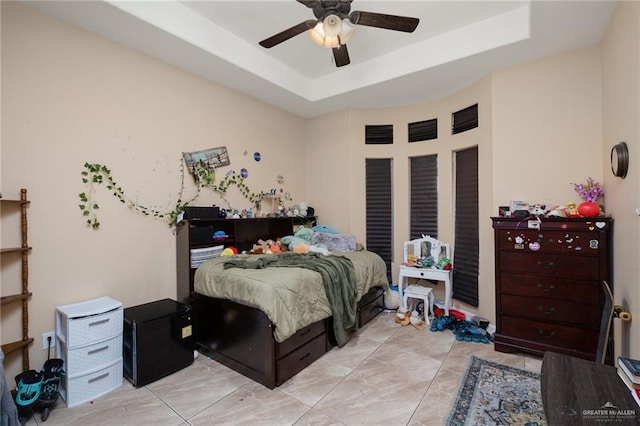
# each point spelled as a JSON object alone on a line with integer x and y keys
{"x": 378, "y": 134}
{"x": 424, "y": 196}
{"x": 466, "y": 244}
{"x": 423, "y": 130}
{"x": 379, "y": 211}
{"x": 465, "y": 119}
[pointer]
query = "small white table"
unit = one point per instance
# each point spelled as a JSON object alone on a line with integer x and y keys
{"x": 426, "y": 274}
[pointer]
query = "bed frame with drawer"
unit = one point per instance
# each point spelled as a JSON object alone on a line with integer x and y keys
{"x": 241, "y": 337}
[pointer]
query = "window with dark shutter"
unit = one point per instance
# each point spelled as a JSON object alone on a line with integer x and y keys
{"x": 378, "y": 134}
{"x": 465, "y": 119}
{"x": 424, "y": 196}
{"x": 423, "y": 130}
{"x": 379, "y": 211}
{"x": 466, "y": 244}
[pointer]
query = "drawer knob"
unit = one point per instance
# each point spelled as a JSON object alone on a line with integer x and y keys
{"x": 547, "y": 312}
{"x": 548, "y": 289}
{"x": 99, "y": 322}
{"x": 305, "y": 356}
{"x": 95, "y": 351}
{"x": 100, "y": 377}
{"x": 547, "y": 266}
{"x": 547, "y": 335}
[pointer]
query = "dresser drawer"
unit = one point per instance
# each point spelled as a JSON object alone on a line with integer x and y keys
{"x": 549, "y": 334}
{"x": 81, "y": 331}
{"x": 550, "y": 287}
{"x": 578, "y": 267}
{"x": 297, "y": 360}
{"x": 373, "y": 294}
{"x": 87, "y": 358}
{"x": 556, "y": 310}
{"x": 84, "y": 388}
{"x": 369, "y": 311}
{"x": 301, "y": 337}
{"x": 549, "y": 241}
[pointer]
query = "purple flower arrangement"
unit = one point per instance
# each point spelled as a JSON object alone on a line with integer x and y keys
{"x": 589, "y": 191}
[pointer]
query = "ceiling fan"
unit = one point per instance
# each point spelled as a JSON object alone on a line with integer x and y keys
{"x": 332, "y": 28}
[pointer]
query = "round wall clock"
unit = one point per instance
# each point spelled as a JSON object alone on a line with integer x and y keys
{"x": 620, "y": 160}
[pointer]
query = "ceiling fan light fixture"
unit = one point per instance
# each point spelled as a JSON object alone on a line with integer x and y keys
{"x": 347, "y": 31}
{"x": 332, "y": 25}
{"x": 320, "y": 38}
{"x": 323, "y": 39}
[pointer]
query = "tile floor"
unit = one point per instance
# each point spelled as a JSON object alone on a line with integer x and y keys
{"x": 386, "y": 375}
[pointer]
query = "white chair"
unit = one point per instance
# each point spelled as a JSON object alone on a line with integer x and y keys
{"x": 420, "y": 292}
{"x": 421, "y": 248}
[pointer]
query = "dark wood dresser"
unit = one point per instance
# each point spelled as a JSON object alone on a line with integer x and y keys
{"x": 549, "y": 275}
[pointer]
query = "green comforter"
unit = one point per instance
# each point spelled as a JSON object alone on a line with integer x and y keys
{"x": 294, "y": 296}
{"x": 338, "y": 279}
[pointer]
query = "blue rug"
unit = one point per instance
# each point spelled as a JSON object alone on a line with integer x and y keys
{"x": 496, "y": 394}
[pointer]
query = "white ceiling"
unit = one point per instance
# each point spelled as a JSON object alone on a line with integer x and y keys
{"x": 455, "y": 44}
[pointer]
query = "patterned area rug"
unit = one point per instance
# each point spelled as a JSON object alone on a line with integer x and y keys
{"x": 496, "y": 394}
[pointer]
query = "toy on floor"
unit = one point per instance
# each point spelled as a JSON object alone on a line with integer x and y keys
{"x": 405, "y": 317}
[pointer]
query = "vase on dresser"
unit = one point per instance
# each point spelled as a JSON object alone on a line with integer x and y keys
{"x": 589, "y": 209}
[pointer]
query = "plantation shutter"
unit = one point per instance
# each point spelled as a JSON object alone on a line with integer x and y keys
{"x": 379, "y": 211}
{"x": 465, "y": 119}
{"x": 424, "y": 196}
{"x": 466, "y": 244}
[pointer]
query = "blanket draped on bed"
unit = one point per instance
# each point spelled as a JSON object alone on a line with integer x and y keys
{"x": 338, "y": 278}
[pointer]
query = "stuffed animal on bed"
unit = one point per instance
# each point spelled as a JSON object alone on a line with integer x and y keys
{"x": 295, "y": 244}
{"x": 301, "y": 242}
{"x": 266, "y": 247}
{"x": 324, "y": 228}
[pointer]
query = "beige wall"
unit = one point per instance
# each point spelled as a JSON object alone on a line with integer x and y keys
{"x": 70, "y": 97}
{"x": 620, "y": 112}
{"x": 444, "y": 147}
{"x": 547, "y": 130}
{"x": 327, "y": 167}
{"x": 539, "y": 130}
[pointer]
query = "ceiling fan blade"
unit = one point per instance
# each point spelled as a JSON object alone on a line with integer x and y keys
{"x": 288, "y": 33}
{"x": 387, "y": 22}
{"x": 341, "y": 55}
{"x": 310, "y": 3}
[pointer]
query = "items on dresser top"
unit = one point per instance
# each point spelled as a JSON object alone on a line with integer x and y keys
{"x": 549, "y": 275}
{"x": 89, "y": 341}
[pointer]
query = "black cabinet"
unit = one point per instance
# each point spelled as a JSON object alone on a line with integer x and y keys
{"x": 157, "y": 340}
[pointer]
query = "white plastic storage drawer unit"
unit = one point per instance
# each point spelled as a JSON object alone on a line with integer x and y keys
{"x": 89, "y": 340}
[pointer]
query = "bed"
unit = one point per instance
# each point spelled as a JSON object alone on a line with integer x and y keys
{"x": 268, "y": 317}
